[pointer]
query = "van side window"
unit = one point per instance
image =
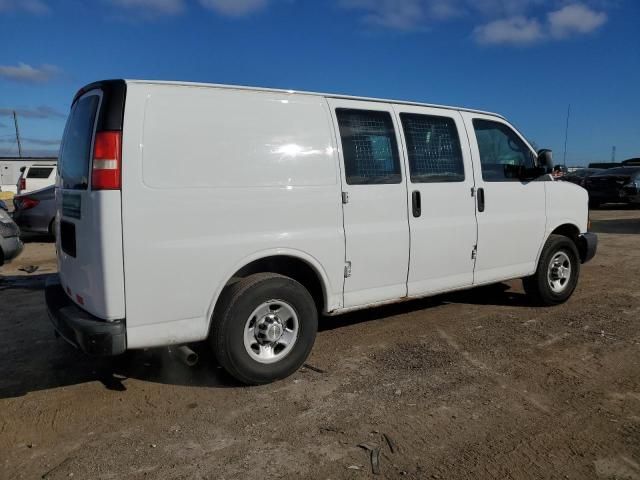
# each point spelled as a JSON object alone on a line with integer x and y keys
{"x": 501, "y": 151}
{"x": 433, "y": 148}
{"x": 369, "y": 147}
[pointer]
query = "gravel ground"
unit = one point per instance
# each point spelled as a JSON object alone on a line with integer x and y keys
{"x": 478, "y": 384}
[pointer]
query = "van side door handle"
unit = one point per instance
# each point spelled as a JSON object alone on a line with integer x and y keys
{"x": 416, "y": 203}
{"x": 481, "y": 199}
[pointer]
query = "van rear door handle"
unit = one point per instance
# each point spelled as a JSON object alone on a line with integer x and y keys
{"x": 416, "y": 203}
{"x": 481, "y": 199}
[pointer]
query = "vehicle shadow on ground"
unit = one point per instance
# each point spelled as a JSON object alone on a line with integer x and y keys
{"x": 624, "y": 226}
{"x": 498, "y": 294}
{"x": 618, "y": 206}
{"x": 37, "y": 238}
{"x": 39, "y": 361}
{"x": 29, "y": 282}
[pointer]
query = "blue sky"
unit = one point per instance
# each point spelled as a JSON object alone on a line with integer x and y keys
{"x": 527, "y": 59}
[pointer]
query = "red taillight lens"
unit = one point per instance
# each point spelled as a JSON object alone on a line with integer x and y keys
{"x": 107, "y": 161}
{"x": 22, "y": 184}
{"x": 26, "y": 203}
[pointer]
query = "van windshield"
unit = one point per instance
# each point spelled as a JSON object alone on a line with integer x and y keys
{"x": 75, "y": 152}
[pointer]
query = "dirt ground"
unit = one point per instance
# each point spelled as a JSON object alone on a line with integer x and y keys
{"x": 471, "y": 385}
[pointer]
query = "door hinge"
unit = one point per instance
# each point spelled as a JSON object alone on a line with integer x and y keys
{"x": 345, "y": 198}
{"x": 473, "y": 191}
{"x": 347, "y": 269}
{"x": 474, "y": 252}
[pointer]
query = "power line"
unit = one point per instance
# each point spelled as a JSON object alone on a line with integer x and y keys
{"x": 566, "y": 136}
{"x": 15, "y": 122}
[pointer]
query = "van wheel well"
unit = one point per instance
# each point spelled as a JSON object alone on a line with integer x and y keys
{"x": 573, "y": 233}
{"x": 569, "y": 231}
{"x": 290, "y": 267}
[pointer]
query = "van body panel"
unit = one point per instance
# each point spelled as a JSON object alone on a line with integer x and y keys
{"x": 567, "y": 203}
{"x": 512, "y": 226}
{"x": 444, "y": 235}
{"x": 375, "y": 224}
{"x": 92, "y": 275}
{"x": 211, "y": 176}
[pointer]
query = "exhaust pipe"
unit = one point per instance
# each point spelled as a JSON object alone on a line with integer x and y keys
{"x": 185, "y": 355}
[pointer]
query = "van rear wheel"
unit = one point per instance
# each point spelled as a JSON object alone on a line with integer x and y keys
{"x": 557, "y": 274}
{"x": 264, "y": 328}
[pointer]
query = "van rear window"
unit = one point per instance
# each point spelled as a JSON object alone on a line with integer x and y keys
{"x": 39, "y": 172}
{"x": 75, "y": 153}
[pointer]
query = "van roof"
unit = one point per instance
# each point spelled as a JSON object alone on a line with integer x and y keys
{"x": 298, "y": 92}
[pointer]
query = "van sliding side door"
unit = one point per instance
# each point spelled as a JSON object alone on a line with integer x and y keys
{"x": 374, "y": 202}
{"x": 442, "y": 215}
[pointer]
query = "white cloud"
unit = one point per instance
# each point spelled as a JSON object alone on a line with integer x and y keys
{"x": 501, "y": 9}
{"x": 27, "y": 74}
{"x": 418, "y": 14}
{"x": 39, "y": 112}
{"x": 515, "y": 31}
{"x": 568, "y": 21}
{"x": 516, "y": 22}
{"x": 393, "y": 14}
{"x": 155, "y": 8}
{"x": 32, "y": 141}
{"x": 234, "y": 8}
{"x": 37, "y": 7}
{"x": 152, "y": 8}
{"x": 575, "y": 19}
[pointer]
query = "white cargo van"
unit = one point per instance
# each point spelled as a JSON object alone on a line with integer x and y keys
{"x": 191, "y": 212}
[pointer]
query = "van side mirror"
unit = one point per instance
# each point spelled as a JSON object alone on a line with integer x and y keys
{"x": 545, "y": 160}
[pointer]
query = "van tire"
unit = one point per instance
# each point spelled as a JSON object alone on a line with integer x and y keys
{"x": 231, "y": 318}
{"x": 561, "y": 251}
{"x": 52, "y": 229}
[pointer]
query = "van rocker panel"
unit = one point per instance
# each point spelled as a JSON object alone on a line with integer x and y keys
{"x": 90, "y": 334}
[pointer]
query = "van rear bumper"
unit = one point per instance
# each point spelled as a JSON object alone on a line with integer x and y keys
{"x": 90, "y": 334}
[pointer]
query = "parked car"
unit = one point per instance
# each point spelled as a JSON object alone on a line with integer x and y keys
{"x": 579, "y": 176}
{"x": 605, "y": 165}
{"x": 35, "y": 211}
{"x": 616, "y": 185}
{"x": 249, "y": 212}
{"x": 10, "y": 243}
{"x": 35, "y": 177}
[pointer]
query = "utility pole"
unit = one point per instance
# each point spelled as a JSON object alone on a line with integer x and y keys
{"x": 566, "y": 136}
{"x": 15, "y": 122}
{"x": 613, "y": 154}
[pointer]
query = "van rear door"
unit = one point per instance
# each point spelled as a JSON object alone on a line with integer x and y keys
{"x": 88, "y": 202}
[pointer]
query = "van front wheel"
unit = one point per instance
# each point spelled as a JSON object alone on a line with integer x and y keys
{"x": 557, "y": 274}
{"x": 264, "y": 328}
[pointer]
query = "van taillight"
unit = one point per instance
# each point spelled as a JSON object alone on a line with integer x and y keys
{"x": 107, "y": 161}
{"x": 22, "y": 184}
{"x": 26, "y": 203}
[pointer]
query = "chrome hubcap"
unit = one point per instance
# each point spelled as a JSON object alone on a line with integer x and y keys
{"x": 559, "y": 272}
{"x": 271, "y": 331}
